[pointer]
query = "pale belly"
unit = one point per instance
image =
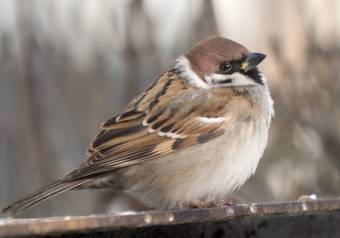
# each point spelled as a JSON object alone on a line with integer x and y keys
{"x": 205, "y": 172}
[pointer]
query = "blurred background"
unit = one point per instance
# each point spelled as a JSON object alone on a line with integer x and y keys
{"x": 68, "y": 65}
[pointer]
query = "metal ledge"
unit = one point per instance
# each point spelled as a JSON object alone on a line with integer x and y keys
{"x": 244, "y": 220}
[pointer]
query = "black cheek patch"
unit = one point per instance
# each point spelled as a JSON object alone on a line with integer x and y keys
{"x": 226, "y": 81}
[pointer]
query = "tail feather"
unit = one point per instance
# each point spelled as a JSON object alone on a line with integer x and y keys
{"x": 42, "y": 194}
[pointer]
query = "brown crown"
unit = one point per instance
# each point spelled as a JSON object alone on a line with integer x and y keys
{"x": 207, "y": 55}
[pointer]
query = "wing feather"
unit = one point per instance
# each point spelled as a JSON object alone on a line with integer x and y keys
{"x": 165, "y": 119}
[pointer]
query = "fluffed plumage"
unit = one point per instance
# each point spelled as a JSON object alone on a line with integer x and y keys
{"x": 183, "y": 127}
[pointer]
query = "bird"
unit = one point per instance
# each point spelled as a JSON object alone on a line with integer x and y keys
{"x": 195, "y": 134}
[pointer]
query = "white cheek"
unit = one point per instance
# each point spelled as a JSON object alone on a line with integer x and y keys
{"x": 210, "y": 79}
{"x": 241, "y": 80}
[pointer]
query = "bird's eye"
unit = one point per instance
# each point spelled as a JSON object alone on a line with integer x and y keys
{"x": 225, "y": 67}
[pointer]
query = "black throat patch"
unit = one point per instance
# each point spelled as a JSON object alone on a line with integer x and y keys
{"x": 254, "y": 74}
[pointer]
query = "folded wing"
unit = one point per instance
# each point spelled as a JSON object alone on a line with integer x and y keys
{"x": 169, "y": 117}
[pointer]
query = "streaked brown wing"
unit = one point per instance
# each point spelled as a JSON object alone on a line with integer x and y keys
{"x": 170, "y": 116}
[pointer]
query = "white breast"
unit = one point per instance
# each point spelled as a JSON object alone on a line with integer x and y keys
{"x": 204, "y": 172}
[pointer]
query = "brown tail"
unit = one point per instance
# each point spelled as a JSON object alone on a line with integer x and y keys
{"x": 42, "y": 194}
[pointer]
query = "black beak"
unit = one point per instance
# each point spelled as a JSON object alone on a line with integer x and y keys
{"x": 252, "y": 60}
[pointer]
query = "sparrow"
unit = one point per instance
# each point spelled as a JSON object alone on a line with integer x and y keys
{"x": 196, "y": 133}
